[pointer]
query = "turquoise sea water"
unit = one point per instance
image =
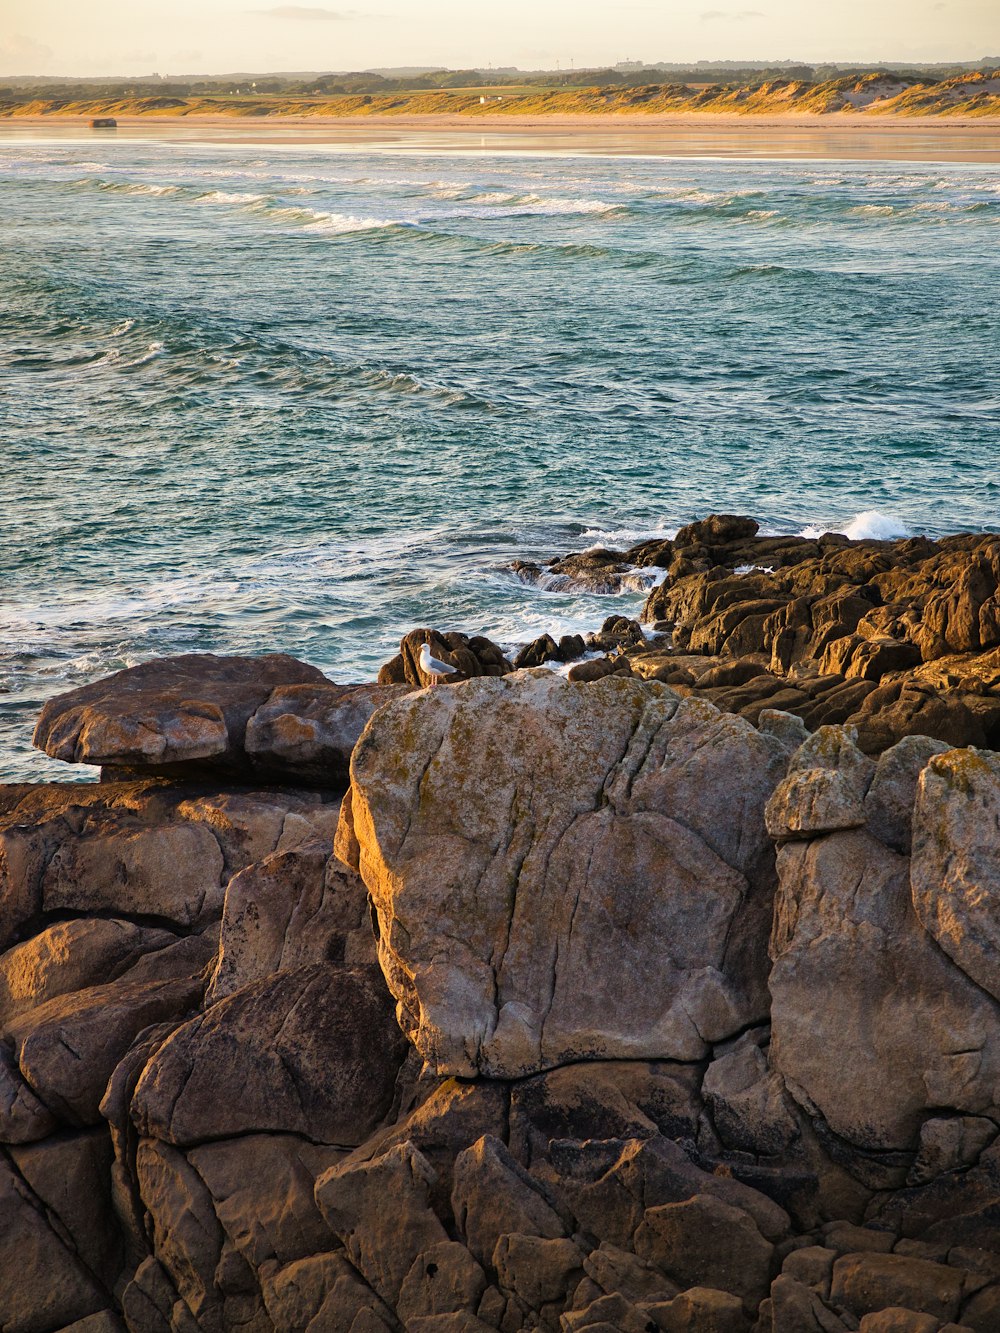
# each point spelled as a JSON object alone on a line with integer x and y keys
{"x": 257, "y": 397}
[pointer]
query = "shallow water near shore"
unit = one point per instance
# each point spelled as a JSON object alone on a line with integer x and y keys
{"x": 257, "y": 399}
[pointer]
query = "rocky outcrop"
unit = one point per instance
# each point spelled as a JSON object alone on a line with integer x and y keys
{"x": 144, "y": 851}
{"x": 614, "y": 1011}
{"x": 897, "y": 638}
{"x": 597, "y": 570}
{"x": 241, "y": 718}
{"x": 470, "y": 657}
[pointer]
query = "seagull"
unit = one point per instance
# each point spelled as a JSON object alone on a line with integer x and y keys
{"x": 431, "y": 666}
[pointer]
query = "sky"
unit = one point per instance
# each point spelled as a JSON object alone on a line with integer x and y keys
{"x": 130, "y": 37}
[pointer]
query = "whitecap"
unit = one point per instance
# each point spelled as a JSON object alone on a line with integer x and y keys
{"x": 225, "y": 197}
{"x": 511, "y": 206}
{"x": 873, "y": 526}
{"x": 870, "y": 525}
{"x": 314, "y": 220}
{"x": 135, "y": 187}
{"x": 151, "y": 353}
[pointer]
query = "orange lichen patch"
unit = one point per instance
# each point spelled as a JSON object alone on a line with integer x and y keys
{"x": 965, "y": 767}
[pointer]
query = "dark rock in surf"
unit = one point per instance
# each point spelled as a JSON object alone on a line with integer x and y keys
{"x": 470, "y": 656}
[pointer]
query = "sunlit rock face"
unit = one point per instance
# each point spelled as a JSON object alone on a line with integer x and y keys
{"x": 566, "y": 871}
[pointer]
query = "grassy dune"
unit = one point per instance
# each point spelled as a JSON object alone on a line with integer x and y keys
{"x": 873, "y": 95}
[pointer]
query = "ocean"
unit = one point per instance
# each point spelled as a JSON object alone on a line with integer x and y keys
{"x": 261, "y": 397}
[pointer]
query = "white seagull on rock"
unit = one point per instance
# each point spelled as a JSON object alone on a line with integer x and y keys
{"x": 432, "y": 666}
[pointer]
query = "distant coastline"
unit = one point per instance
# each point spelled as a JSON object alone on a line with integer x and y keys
{"x": 872, "y": 98}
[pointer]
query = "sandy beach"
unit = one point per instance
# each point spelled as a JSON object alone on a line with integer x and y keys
{"x": 846, "y": 137}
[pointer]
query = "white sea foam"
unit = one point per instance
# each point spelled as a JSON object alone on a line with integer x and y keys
{"x": 315, "y": 220}
{"x": 520, "y": 205}
{"x": 706, "y": 198}
{"x": 115, "y": 357}
{"x": 138, "y": 187}
{"x": 154, "y": 350}
{"x": 599, "y": 538}
{"x": 870, "y": 525}
{"x": 560, "y": 668}
{"x": 226, "y": 197}
{"x": 126, "y": 187}
{"x": 138, "y": 607}
{"x": 631, "y": 580}
{"x": 438, "y": 191}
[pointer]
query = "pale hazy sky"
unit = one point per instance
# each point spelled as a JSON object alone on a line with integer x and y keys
{"x": 215, "y": 36}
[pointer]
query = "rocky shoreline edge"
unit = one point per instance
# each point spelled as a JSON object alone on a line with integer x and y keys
{"x": 657, "y": 991}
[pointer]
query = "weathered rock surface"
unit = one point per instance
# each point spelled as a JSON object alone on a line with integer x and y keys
{"x": 307, "y": 732}
{"x": 956, "y": 861}
{"x": 43, "y": 1283}
{"x": 872, "y": 1026}
{"x": 312, "y": 1051}
{"x": 67, "y": 1049}
{"x": 141, "y": 851}
{"x": 248, "y": 718}
{"x": 616, "y": 1012}
{"x": 289, "y": 910}
{"x": 175, "y": 710}
{"x": 510, "y": 873}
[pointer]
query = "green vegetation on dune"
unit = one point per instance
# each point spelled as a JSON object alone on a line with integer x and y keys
{"x": 877, "y": 93}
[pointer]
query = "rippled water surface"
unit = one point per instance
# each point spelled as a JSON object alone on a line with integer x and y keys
{"x": 257, "y": 398}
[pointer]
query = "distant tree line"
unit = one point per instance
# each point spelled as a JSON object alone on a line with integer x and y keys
{"x": 369, "y": 82}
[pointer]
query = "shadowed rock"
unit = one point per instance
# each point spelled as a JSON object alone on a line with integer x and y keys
{"x": 311, "y": 1051}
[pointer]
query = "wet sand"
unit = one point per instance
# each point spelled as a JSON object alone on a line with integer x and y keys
{"x": 844, "y": 138}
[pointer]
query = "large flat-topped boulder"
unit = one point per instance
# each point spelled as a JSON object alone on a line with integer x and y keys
{"x": 566, "y": 871}
{"x": 242, "y": 717}
{"x": 169, "y": 711}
